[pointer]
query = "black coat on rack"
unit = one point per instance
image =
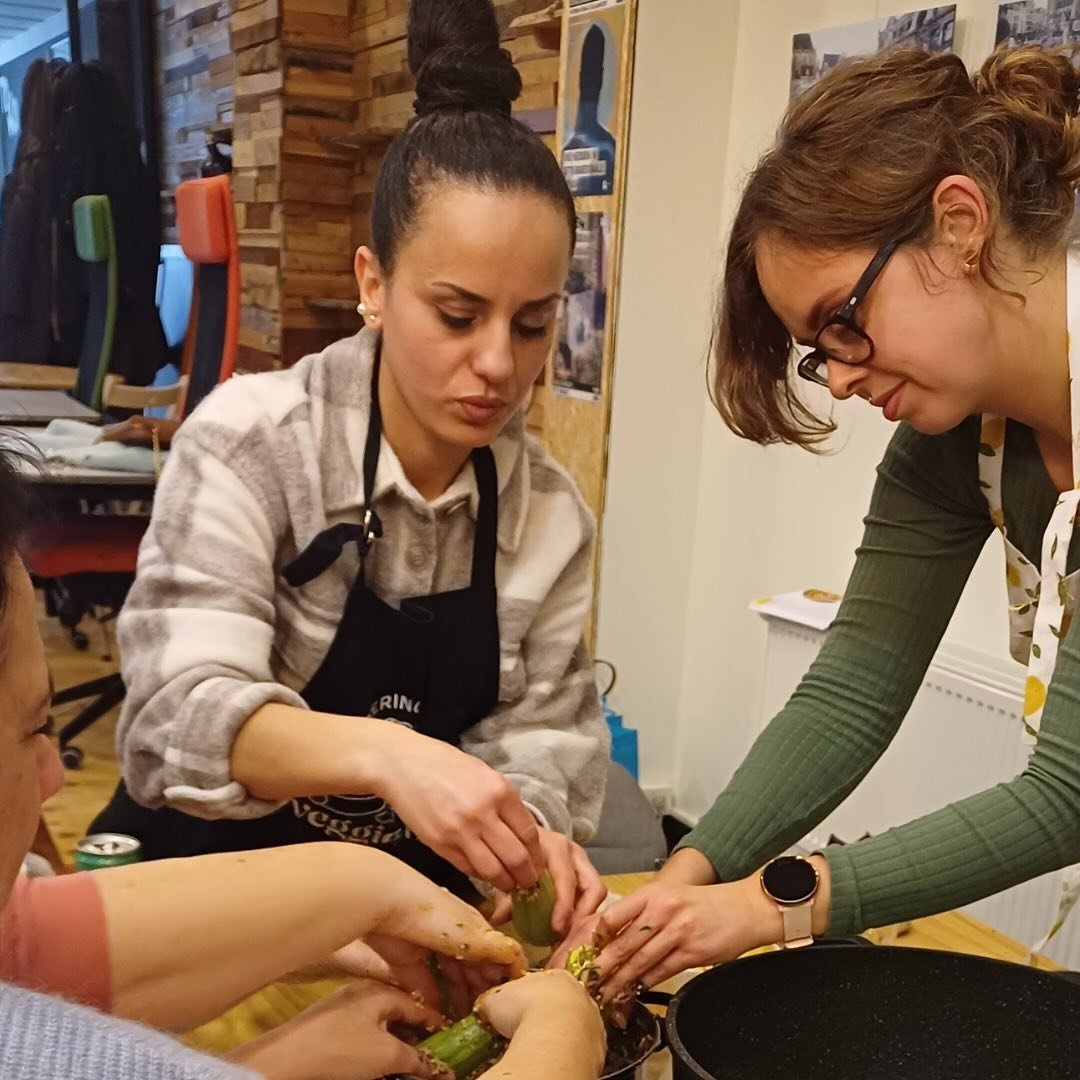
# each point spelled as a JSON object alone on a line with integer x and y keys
{"x": 78, "y": 138}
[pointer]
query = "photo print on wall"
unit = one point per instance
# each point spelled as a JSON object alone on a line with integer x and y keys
{"x": 814, "y": 54}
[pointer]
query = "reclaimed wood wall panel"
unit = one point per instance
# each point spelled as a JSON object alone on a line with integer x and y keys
{"x": 197, "y": 73}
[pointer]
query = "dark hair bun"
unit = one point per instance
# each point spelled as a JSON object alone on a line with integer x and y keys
{"x": 454, "y": 53}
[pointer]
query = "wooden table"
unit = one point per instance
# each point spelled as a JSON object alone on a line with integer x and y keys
{"x": 36, "y": 377}
{"x": 56, "y": 479}
{"x": 86, "y": 483}
{"x": 39, "y": 407}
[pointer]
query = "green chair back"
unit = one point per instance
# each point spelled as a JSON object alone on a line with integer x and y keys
{"x": 95, "y": 243}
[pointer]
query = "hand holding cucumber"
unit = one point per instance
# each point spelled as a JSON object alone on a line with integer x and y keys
{"x": 572, "y": 893}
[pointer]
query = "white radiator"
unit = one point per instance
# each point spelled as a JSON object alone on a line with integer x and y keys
{"x": 963, "y": 734}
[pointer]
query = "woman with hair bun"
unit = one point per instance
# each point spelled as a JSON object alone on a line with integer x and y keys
{"x": 360, "y": 605}
{"x": 928, "y": 271}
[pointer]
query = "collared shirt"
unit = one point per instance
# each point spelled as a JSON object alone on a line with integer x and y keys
{"x": 211, "y": 632}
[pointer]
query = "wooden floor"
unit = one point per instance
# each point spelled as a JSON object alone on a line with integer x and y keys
{"x": 87, "y": 789}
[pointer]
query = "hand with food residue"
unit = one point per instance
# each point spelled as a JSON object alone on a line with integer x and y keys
{"x": 364, "y": 1031}
{"x": 554, "y": 1028}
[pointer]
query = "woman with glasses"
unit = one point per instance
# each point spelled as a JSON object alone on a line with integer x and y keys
{"x": 928, "y": 271}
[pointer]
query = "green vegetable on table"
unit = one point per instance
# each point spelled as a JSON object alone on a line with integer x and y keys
{"x": 470, "y": 1046}
{"x": 581, "y": 963}
{"x": 531, "y": 912}
{"x": 466, "y": 1048}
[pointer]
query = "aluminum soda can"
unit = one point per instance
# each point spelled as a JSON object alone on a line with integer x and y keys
{"x": 107, "y": 849}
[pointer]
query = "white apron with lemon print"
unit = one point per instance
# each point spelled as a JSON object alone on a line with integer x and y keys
{"x": 1042, "y": 599}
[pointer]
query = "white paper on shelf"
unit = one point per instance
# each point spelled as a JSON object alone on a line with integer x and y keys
{"x": 803, "y": 608}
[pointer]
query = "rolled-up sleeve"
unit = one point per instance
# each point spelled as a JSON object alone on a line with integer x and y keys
{"x": 197, "y": 631}
{"x": 53, "y": 939}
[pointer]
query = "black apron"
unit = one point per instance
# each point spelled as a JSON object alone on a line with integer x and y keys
{"x": 432, "y": 665}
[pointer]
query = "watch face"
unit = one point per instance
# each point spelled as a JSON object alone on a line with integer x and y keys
{"x": 790, "y": 880}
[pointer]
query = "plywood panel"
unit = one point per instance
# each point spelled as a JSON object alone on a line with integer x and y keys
{"x": 576, "y": 431}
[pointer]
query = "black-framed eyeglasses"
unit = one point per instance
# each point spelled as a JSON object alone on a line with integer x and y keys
{"x": 840, "y": 338}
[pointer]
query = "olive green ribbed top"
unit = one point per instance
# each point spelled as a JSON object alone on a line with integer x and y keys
{"x": 927, "y": 523}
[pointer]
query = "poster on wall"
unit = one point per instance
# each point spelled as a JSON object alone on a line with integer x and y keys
{"x": 579, "y": 353}
{"x": 1043, "y": 22}
{"x": 591, "y": 101}
{"x": 814, "y": 54}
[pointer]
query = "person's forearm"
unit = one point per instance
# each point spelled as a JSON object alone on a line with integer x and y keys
{"x": 975, "y": 848}
{"x": 551, "y": 1043}
{"x": 188, "y": 938}
{"x": 822, "y": 907}
{"x": 284, "y": 752}
{"x": 924, "y": 531}
{"x": 688, "y": 866}
{"x": 270, "y": 1056}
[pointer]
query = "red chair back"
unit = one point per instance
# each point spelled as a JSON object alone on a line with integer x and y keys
{"x": 206, "y": 223}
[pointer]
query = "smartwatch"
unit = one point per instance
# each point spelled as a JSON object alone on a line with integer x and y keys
{"x": 791, "y": 882}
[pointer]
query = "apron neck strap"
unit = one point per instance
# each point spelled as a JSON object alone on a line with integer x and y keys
{"x": 326, "y": 548}
{"x": 374, "y": 432}
{"x": 487, "y": 518}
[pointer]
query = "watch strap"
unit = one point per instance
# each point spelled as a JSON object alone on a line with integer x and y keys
{"x": 798, "y": 924}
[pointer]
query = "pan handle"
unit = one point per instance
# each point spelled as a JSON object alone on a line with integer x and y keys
{"x": 855, "y": 941}
{"x": 658, "y": 997}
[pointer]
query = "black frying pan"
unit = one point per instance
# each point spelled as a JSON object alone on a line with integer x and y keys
{"x": 843, "y": 1012}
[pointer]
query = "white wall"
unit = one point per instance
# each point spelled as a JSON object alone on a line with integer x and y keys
{"x": 684, "y": 64}
{"x": 762, "y": 520}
